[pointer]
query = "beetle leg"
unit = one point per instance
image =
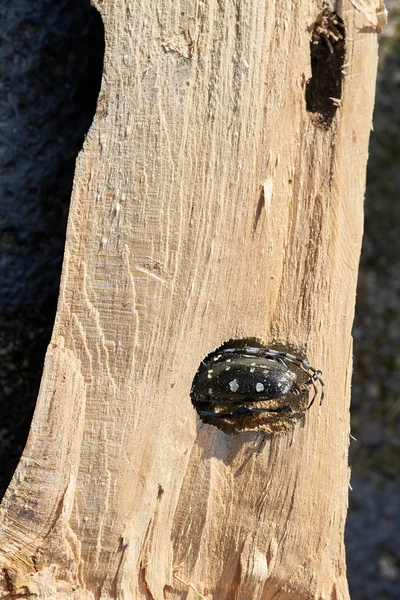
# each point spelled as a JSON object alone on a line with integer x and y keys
{"x": 314, "y": 374}
{"x": 302, "y": 364}
{"x": 204, "y": 409}
{"x": 242, "y": 411}
{"x": 278, "y": 409}
{"x": 280, "y": 360}
{"x": 283, "y": 358}
{"x": 248, "y": 350}
{"x": 311, "y": 381}
{"x": 318, "y": 376}
{"x": 234, "y": 415}
{"x": 297, "y": 389}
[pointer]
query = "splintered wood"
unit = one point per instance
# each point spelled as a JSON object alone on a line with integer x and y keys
{"x": 212, "y": 202}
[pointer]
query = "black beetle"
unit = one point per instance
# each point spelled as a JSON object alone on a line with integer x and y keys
{"x": 237, "y": 377}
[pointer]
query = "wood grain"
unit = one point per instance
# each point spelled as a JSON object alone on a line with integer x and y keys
{"x": 208, "y": 205}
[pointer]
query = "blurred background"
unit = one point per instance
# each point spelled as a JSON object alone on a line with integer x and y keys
{"x": 51, "y": 61}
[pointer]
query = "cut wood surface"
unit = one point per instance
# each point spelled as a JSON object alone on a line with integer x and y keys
{"x": 218, "y": 197}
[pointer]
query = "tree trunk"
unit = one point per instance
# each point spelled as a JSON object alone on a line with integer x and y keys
{"x": 218, "y": 197}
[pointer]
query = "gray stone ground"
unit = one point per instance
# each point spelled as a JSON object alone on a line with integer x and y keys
{"x": 49, "y": 80}
{"x": 373, "y": 525}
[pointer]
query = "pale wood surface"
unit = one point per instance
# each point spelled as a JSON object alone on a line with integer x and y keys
{"x": 122, "y": 492}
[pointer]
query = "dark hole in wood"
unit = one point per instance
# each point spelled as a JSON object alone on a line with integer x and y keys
{"x": 327, "y": 48}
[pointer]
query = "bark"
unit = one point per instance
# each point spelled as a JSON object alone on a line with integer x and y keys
{"x": 218, "y": 197}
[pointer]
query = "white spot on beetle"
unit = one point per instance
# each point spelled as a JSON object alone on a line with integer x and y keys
{"x": 234, "y": 385}
{"x": 259, "y": 387}
{"x": 252, "y": 370}
{"x": 227, "y": 368}
{"x": 209, "y": 376}
{"x": 228, "y": 360}
{"x": 210, "y": 391}
{"x": 211, "y": 371}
